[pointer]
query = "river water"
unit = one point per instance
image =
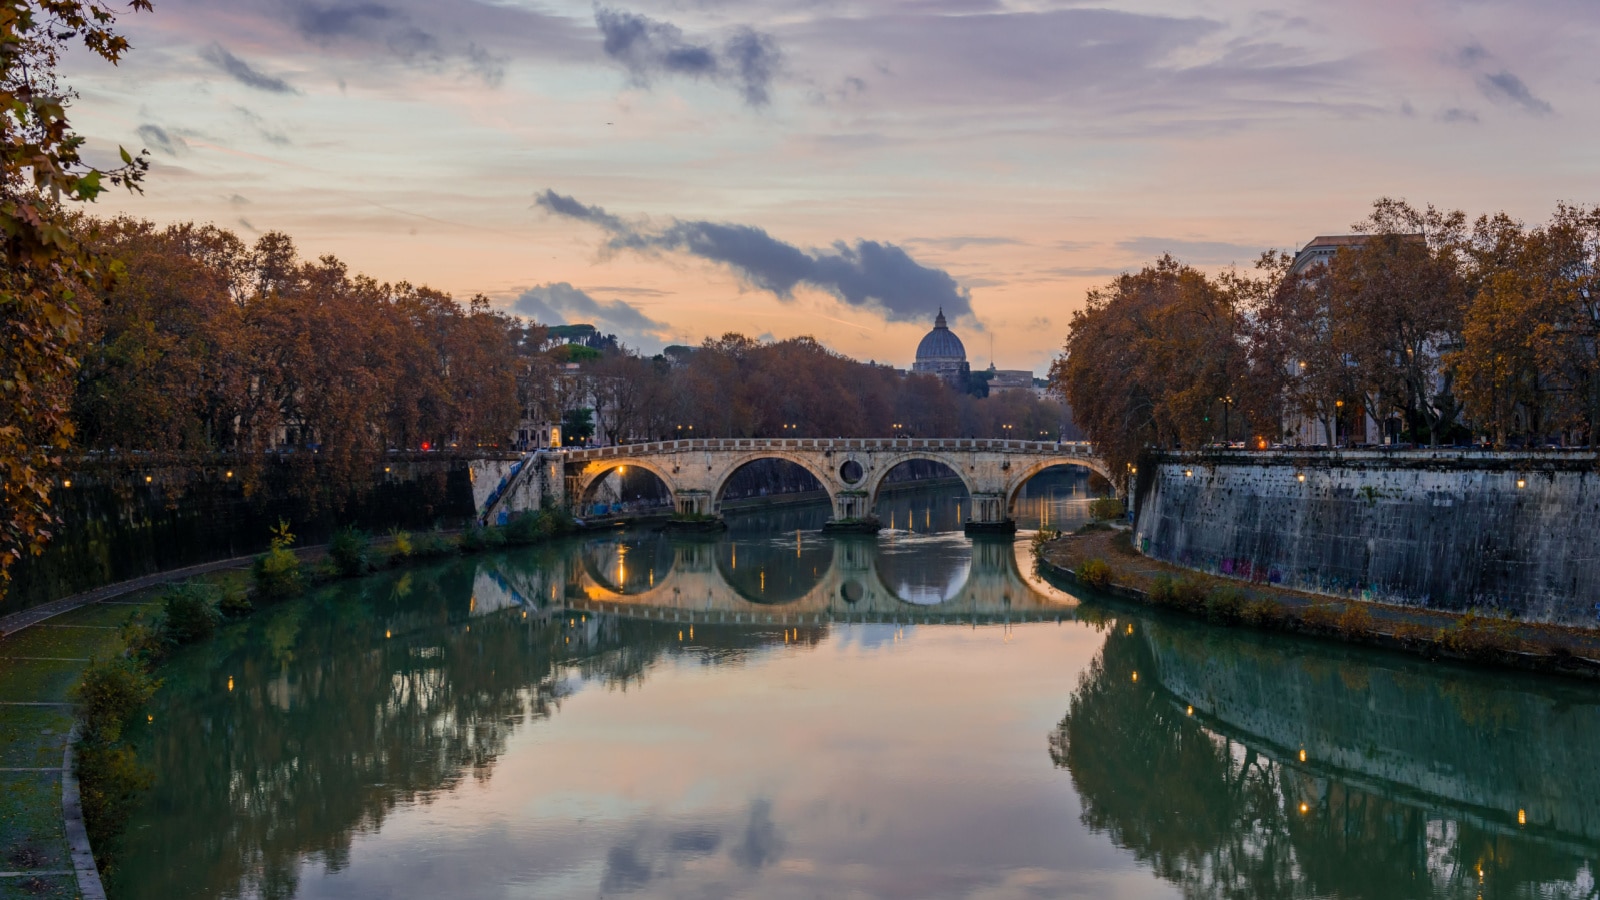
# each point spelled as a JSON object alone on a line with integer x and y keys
{"x": 773, "y": 713}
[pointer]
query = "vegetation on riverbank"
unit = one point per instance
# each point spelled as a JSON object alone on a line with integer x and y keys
{"x": 1106, "y": 560}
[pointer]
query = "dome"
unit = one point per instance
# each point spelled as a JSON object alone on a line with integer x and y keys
{"x": 941, "y": 343}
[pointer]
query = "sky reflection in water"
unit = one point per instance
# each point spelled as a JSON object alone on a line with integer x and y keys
{"x": 482, "y": 753}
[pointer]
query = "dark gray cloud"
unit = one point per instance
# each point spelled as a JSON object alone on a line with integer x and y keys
{"x": 1503, "y": 86}
{"x": 649, "y": 48}
{"x": 326, "y": 22}
{"x": 559, "y": 303}
{"x": 870, "y": 274}
{"x": 162, "y": 140}
{"x": 243, "y": 72}
{"x": 1190, "y": 251}
{"x": 427, "y": 35}
{"x": 1457, "y": 114}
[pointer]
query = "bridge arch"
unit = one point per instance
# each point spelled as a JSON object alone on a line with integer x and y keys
{"x": 874, "y": 481}
{"x": 596, "y": 470}
{"x": 828, "y": 480}
{"x": 1021, "y": 478}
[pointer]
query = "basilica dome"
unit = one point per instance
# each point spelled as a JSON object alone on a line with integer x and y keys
{"x": 941, "y": 343}
{"x": 941, "y": 353}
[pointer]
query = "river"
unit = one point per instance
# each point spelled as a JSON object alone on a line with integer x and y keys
{"x": 774, "y": 713}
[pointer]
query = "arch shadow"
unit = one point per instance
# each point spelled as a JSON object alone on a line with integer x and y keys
{"x": 823, "y": 478}
{"x": 596, "y": 473}
{"x": 874, "y": 485}
{"x": 1033, "y": 470}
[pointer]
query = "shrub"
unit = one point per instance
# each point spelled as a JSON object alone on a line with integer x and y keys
{"x": 277, "y": 575}
{"x": 1356, "y": 621}
{"x": 1261, "y": 611}
{"x": 433, "y": 544}
{"x": 1472, "y": 635}
{"x": 531, "y": 527}
{"x": 348, "y": 550}
{"x": 145, "y": 643}
{"x": 108, "y": 695}
{"x": 236, "y": 605}
{"x": 109, "y": 782}
{"x": 1094, "y": 572}
{"x": 400, "y": 542}
{"x": 1320, "y": 616}
{"x": 188, "y": 614}
{"x": 1107, "y": 508}
{"x": 1190, "y": 593}
{"x": 1225, "y": 604}
{"x": 277, "y": 572}
{"x": 1041, "y": 537}
{"x": 480, "y": 537}
{"x": 1164, "y": 590}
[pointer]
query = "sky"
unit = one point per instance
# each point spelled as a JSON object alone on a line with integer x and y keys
{"x": 673, "y": 169}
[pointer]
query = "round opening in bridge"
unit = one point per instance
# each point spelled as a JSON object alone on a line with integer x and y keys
{"x": 852, "y": 591}
{"x": 851, "y": 472}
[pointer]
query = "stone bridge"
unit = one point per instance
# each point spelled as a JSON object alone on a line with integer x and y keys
{"x": 851, "y": 470}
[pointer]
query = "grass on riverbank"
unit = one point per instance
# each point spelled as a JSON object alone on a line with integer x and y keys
{"x": 1106, "y": 560}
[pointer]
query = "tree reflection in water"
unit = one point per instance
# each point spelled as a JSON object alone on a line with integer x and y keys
{"x": 1221, "y": 813}
{"x": 375, "y": 694}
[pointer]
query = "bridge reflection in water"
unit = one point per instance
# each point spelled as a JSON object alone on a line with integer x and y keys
{"x": 1269, "y": 767}
{"x": 798, "y": 578}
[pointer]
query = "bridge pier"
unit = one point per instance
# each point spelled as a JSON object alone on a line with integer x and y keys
{"x": 852, "y": 514}
{"x": 990, "y": 515}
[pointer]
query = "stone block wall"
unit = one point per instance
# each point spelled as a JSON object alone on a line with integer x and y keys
{"x": 1511, "y": 534}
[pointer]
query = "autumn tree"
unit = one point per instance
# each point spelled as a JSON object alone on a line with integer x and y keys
{"x": 44, "y": 268}
{"x": 1149, "y": 359}
{"x": 1400, "y": 296}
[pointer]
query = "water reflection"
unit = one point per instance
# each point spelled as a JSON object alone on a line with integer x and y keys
{"x": 1237, "y": 770}
{"x": 619, "y": 716}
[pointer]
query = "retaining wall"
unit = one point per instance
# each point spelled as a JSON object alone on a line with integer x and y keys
{"x": 1512, "y": 534}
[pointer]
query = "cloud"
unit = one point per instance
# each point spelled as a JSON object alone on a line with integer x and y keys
{"x": 1189, "y": 250}
{"x": 559, "y": 303}
{"x": 162, "y": 140}
{"x": 422, "y": 35}
{"x": 649, "y": 48}
{"x": 322, "y": 23}
{"x": 1504, "y": 86}
{"x": 1501, "y": 86}
{"x": 867, "y": 274}
{"x": 243, "y": 72}
{"x": 269, "y": 134}
{"x": 1086, "y": 271}
{"x": 963, "y": 241}
{"x": 1457, "y": 114}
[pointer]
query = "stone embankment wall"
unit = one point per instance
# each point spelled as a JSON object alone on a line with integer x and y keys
{"x": 127, "y": 515}
{"x": 1509, "y": 534}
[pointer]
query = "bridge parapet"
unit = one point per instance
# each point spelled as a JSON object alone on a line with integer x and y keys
{"x": 998, "y": 445}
